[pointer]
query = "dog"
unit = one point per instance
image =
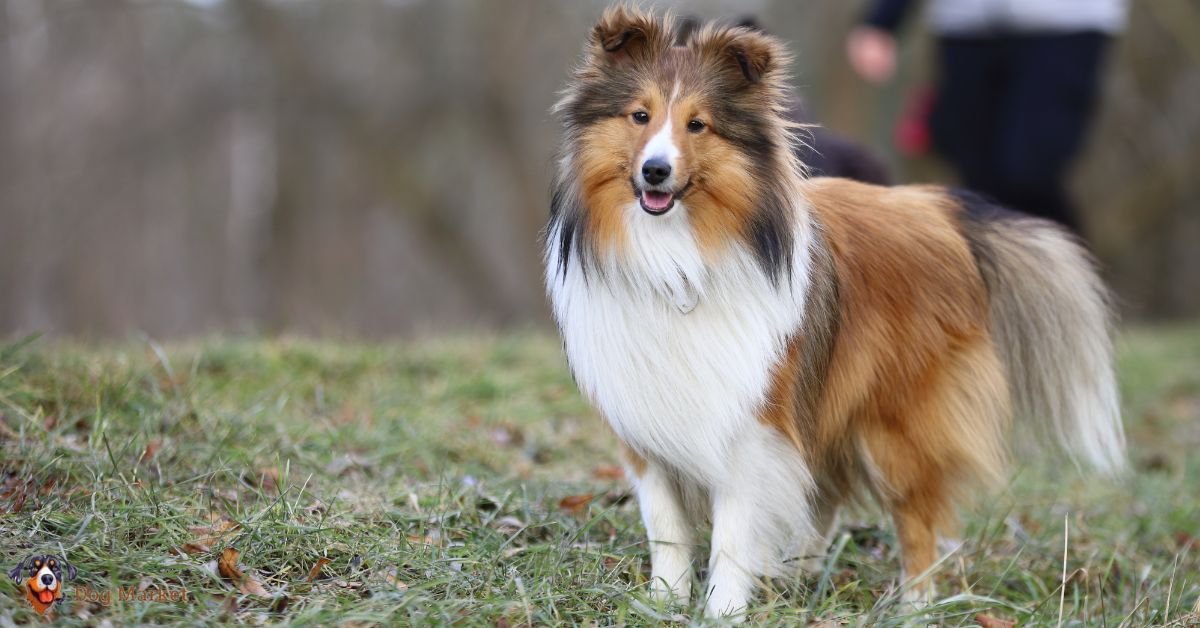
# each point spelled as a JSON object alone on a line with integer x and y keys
{"x": 43, "y": 585}
{"x": 768, "y": 347}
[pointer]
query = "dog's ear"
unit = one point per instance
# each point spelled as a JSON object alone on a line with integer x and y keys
{"x": 71, "y": 571}
{"x": 15, "y": 572}
{"x": 750, "y": 57}
{"x": 628, "y": 35}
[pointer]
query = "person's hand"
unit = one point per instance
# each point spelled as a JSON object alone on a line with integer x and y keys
{"x": 872, "y": 53}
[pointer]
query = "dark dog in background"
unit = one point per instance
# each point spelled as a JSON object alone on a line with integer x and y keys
{"x": 824, "y": 152}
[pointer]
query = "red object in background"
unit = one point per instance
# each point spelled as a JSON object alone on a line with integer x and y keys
{"x": 912, "y": 135}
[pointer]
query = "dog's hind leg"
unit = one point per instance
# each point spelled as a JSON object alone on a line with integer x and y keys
{"x": 923, "y": 450}
{"x": 917, "y": 519}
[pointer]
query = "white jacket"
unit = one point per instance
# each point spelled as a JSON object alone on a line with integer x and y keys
{"x": 972, "y": 17}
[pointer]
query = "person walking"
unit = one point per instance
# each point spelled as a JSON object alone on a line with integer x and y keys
{"x": 1016, "y": 88}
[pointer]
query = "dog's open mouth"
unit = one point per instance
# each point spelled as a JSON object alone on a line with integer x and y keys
{"x": 45, "y": 596}
{"x": 657, "y": 203}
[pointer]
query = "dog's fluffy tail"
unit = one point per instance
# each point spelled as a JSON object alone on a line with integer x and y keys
{"x": 1052, "y": 325}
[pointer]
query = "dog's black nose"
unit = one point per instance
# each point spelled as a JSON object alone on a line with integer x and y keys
{"x": 47, "y": 579}
{"x": 656, "y": 170}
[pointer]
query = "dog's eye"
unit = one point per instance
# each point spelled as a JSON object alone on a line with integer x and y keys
{"x": 640, "y": 117}
{"x": 695, "y": 126}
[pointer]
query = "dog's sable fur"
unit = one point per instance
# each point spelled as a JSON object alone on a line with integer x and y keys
{"x": 768, "y": 347}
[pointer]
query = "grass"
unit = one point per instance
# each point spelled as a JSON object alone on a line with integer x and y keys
{"x": 464, "y": 481}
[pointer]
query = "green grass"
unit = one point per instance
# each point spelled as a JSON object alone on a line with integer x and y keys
{"x": 432, "y": 475}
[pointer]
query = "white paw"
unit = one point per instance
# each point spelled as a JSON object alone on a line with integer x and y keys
{"x": 916, "y": 599}
{"x": 663, "y": 593}
{"x": 731, "y": 608}
{"x": 810, "y": 566}
{"x": 917, "y": 596}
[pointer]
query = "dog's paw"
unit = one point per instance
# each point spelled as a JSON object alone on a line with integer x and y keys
{"x": 810, "y": 566}
{"x": 916, "y": 597}
{"x": 662, "y": 593}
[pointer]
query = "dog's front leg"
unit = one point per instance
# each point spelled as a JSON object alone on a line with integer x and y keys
{"x": 670, "y": 532}
{"x": 738, "y": 552}
{"x": 760, "y": 508}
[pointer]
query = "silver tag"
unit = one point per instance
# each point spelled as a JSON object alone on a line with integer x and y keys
{"x": 686, "y": 297}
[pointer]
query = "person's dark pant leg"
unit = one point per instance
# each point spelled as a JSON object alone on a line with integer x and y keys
{"x": 968, "y": 108}
{"x": 1048, "y": 108}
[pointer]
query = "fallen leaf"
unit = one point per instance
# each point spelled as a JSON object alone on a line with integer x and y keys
{"x": 987, "y": 621}
{"x": 227, "y": 566}
{"x": 347, "y": 584}
{"x": 151, "y": 450}
{"x": 280, "y": 603}
{"x": 391, "y": 576}
{"x": 269, "y": 479}
{"x": 15, "y": 491}
{"x": 617, "y": 497}
{"x": 416, "y": 539}
{"x": 265, "y": 478}
{"x": 193, "y": 549}
{"x": 251, "y": 586}
{"x": 508, "y": 525}
{"x": 1078, "y": 577}
{"x": 315, "y": 572}
{"x": 224, "y": 494}
{"x": 212, "y": 535}
{"x": 608, "y": 472}
{"x": 211, "y": 567}
{"x": 575, "y": 504}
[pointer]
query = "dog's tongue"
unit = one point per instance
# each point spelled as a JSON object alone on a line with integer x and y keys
{"x": 45, "y": 596}
{"x": 656, "y": 200}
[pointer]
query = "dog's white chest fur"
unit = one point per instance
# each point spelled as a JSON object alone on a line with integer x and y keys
{"x": 676, "y": 353}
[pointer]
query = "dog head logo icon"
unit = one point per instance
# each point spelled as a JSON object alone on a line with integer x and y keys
{"x": 41, "y": 579}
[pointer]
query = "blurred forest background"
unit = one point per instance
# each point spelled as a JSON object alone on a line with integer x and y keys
{"x": 380, "y": 167}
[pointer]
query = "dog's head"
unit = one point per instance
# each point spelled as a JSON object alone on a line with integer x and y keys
{"x": 700, "y": 127}
{"x": 41, "y": 579}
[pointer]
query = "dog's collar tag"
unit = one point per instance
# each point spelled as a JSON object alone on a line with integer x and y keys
{"x": 686, "y": 297}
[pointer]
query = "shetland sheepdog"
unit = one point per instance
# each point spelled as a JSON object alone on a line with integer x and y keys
{"x": 767, "y": 347}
